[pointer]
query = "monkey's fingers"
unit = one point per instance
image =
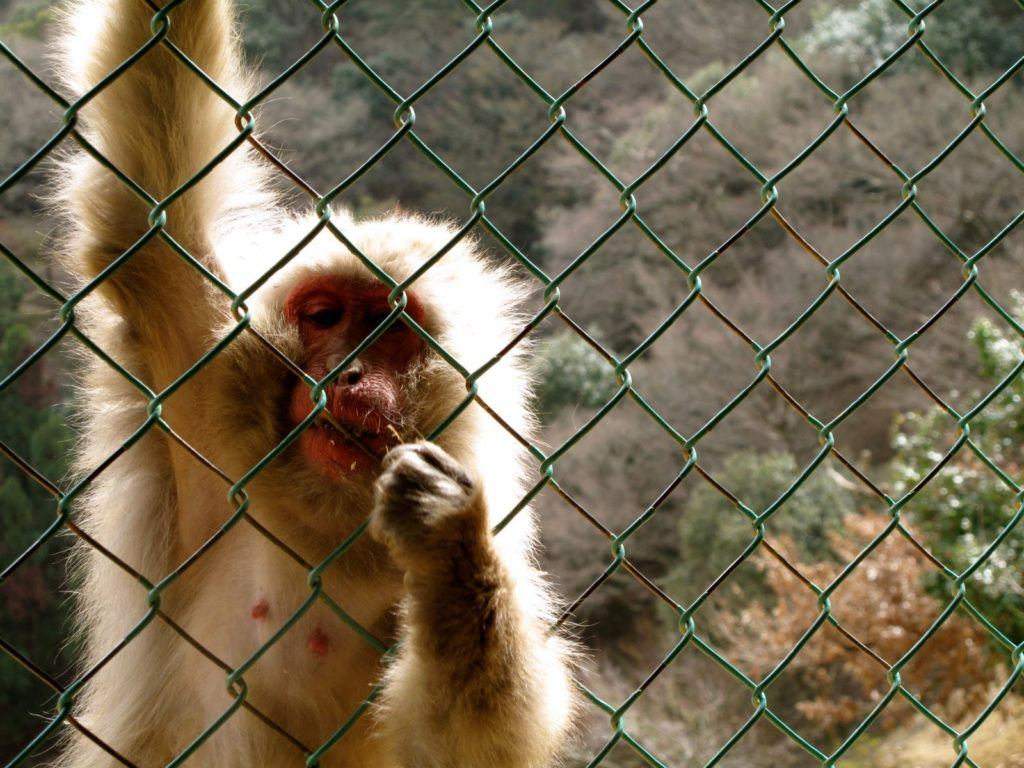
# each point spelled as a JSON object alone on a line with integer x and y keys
{"x": 425, "y": 501}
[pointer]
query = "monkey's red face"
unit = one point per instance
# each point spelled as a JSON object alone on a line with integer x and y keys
{"x": 333, "y": 316}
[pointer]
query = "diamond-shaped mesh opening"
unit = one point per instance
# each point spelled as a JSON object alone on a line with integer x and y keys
{"x": 775, "y": 306}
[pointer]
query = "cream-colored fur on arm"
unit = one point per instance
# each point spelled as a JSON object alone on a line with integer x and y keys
{"x": 160, "y": 124}
{"x": 479, "y": 680}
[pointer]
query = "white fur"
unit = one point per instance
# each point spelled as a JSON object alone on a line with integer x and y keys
{"x": 156, "y": 504}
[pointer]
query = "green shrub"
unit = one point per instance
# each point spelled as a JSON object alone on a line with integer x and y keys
{"x": 966, "y": 505}
{"x": 571, "y": 373}
{"x": 713, "y": 532}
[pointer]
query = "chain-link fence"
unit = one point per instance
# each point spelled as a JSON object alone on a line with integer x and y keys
{"x": 486, "y": 40}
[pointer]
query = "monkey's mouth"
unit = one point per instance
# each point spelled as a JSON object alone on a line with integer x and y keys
{"x": 350, "y": 436}
{"x": 341, "y": 446}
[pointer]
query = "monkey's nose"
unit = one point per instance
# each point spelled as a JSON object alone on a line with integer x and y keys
{"x": 352, "y": 375}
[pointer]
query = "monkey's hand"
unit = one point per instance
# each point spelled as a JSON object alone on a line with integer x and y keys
{"x": 426, "y": 505}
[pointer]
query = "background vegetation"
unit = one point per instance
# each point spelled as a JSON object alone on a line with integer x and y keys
{"x": 328, "y": 119}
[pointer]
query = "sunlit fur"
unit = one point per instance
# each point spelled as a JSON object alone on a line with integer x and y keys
{"x": 156, "y": 504}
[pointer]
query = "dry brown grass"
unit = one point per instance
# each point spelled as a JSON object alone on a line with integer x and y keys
{"x": 999, "y": 743}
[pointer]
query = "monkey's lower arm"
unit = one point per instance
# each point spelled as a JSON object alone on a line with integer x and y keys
{"x": 479, "y": 680}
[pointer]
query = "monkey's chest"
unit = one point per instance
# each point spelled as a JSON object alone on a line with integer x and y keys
{"x": 293, "y": 653}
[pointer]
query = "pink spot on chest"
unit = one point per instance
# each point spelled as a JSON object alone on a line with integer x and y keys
{"x": 318, "y": 642}
{"x": 261, "y": 610}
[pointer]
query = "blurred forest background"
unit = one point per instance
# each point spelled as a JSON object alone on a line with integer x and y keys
{"x": 329, "y": 118}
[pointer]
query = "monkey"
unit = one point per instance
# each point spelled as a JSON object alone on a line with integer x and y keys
{"x": 232, "y": 451}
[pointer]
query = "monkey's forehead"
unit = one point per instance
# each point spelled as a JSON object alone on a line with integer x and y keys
{"x": 395, "y": 246}
{"x": 463, "y": 296}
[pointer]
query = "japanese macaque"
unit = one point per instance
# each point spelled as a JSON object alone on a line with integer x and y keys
{"x": 479, "y": 680}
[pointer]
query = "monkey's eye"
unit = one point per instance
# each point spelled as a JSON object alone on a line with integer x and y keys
{"x": 327, "y": 317}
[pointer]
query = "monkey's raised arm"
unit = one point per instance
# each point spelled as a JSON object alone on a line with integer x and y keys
{"x": 479, "y": 682}
{"x": 160, "y": 124}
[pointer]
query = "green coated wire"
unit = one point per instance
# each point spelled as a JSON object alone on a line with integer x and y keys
{"x": 560, "y": 126}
